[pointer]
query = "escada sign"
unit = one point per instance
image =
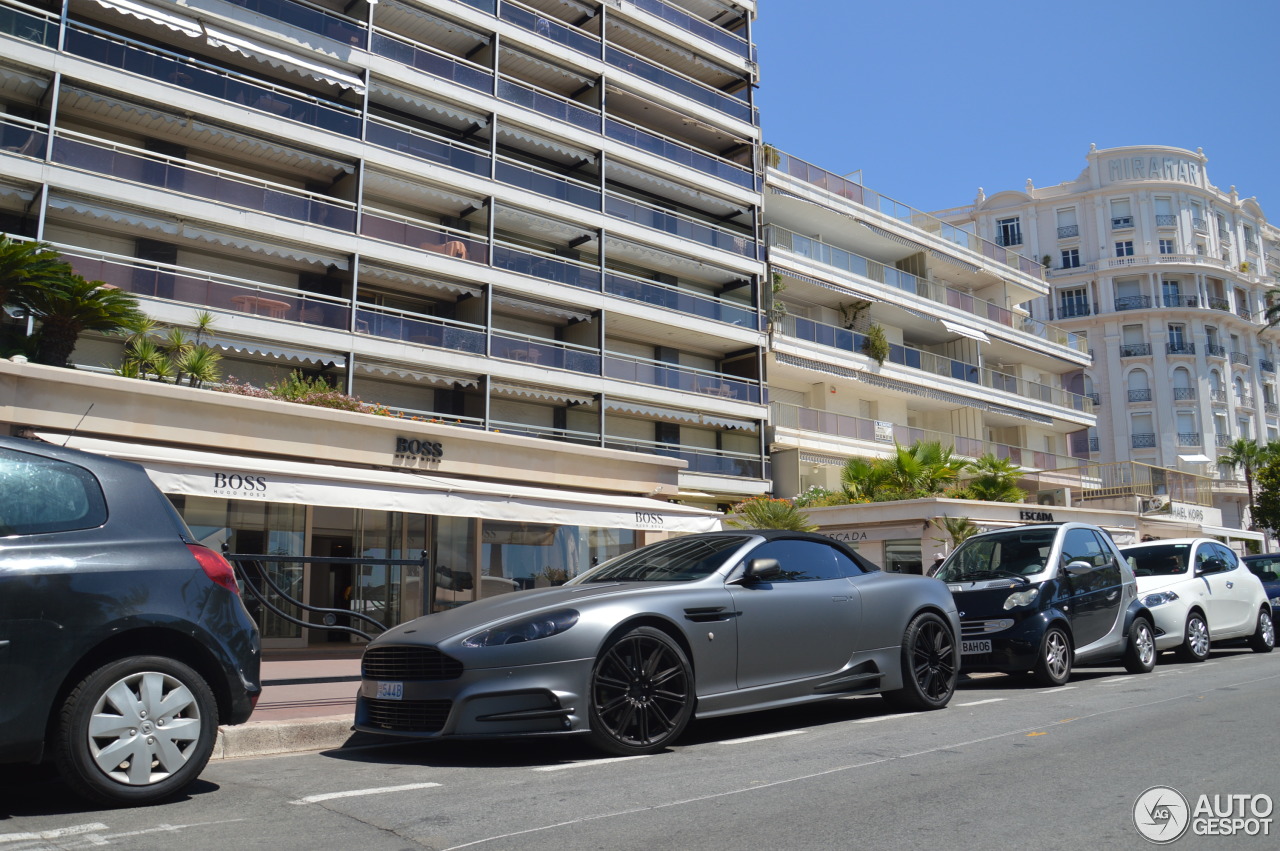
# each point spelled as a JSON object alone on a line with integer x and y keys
{"x": 1035, "y": 516}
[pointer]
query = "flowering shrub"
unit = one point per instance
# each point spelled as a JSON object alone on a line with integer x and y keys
{"x": 304, "y": 391}
{"x": 816, "y": 496}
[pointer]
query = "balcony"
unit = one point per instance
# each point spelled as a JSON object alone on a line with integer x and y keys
{"x": 678, "y": 152}
{"x": 1214, "y": 350}
{"x": 1245, "y": 314}
{"x": 336, "y": 27}
{"x": 1166, "y": 221}
{"x": 1143, "y": 440}
{"x": 1189, "y": 438}
{"x": 428, "y": 60}
{"x": 682, "y": 301}
{"x": 1240, "y": 358}
{"x": 1133, "y": 302}
{"x": 1244, "y": 400}
{"x": 1218, "y": 303}
{"x": 1179, "y": 348}
{"x": 1270, "y": 408}
{"x": 1184, "y": 394}
{"x": 549, "y": 28}
{"x": 1070, "y": 311}
{"x": 656, "y": 218}
{"x": 856, "y": 264}
{"x": 1199, "y": 224}
{"x": 1218, "y": 397}
{"x": 1135, "y": 350}
{"x": 680, "y": 84}
{"x": 1068, "y": 231}
{"x": 549, "y": 104}
{"x": 1140, "y": 395}
{"x": 712, "y": 462}
{"x": 1267, "y": 365}
{"x": 1008, "y": 240}
{"x": 1121, "y": 222}
{"x": 407, "y": 327}
{"x": 1222, "y": 441}
{"x": 698, "y": 26}
{"x": 1251, "y": 245}
{"x": 1179, "y": 300}
{"x": 690, "y": 380}
{"x": 859, "y": 194}
{"x": 426, "y": 146}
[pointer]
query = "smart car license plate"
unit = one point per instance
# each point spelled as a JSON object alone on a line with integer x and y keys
{"x": 967, "y": 648}
{"x": 393, "y": 691}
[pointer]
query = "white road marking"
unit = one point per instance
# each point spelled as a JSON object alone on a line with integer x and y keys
{"x": 1056, "y": 690}
{"x": 356, "y": 793}
{"x": 762, "y": 737}
{"x": 980, "y": 702}
{"x": 53, "y": 834}
{"x": 886, "y": 717}
{"x": 587, "y": 762}
{"x": 1115, "y": 681}
{"x": 91, "y": 839}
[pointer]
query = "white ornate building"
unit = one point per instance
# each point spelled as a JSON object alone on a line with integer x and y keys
{"x": 1167, "y": 275}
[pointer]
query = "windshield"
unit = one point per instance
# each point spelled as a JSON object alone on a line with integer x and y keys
{"x": 1159, "y": 560}
{"x": 1016, "y": 553}
{"x": 1266, "y": 568}
{"x": 676, "y": 560}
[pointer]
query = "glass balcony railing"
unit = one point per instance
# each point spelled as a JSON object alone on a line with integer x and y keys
{"x": 563, "y": 435}
{"x": 433, "y": 62}
{"x": 662, "y": 374}
{"x": 403, "y": 230}
{"x": 548, "y": 184}
{"x": 424, "y": 146}
{"x": 203, "y": 183}
{"x": 549, "y": 104}
{"x": 677, "y": 225}
{"x": 678, "y": 152}
{"x": 420, "y": 330}
{"x": 708, "y": 461}
{"x": 853, "y": 191}
{"x": 23, "y": 138}
{"x": 544, "y": 353}
{"x": 681, "y": 85}
{"x": 524, "y": 261}
{"x": 310, "y": 18}
{"x": 856, "y": 264}
{"x": 682, "y": 301}
{"x": 29, "y": 25}
{"x": 212, "y": 81}
{"x": 204, "y": 290}
{"x": 851, "y": 341}
{"x": 698, "y": 26}
{"x": 549, "y": 28}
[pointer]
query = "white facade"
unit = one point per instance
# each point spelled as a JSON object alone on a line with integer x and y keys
{"x": 1167, "y": 275}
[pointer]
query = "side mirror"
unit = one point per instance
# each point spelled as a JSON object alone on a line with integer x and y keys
{"x": 762, "y": 570}
{"x": 1078, "y": 568}
{"x": 1213, "y": 565}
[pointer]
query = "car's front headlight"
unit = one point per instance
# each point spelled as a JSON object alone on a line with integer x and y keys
{"x": 525, "y": 629}
{"x": 1159, "y": 598}
{"x": 1275, "y": 601}
{"x": 1021, "y": 598}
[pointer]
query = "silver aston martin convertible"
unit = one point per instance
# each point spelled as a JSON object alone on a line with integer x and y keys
{"x": 697, "y": 626}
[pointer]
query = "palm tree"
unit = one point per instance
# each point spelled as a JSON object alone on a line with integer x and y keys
{"x": 200, "y": 365}
{"x": 1249, "y": 456}
{"x": 957, "y": 529}
{"x": 69, "y": 305}
{"x": 24, "y": 265}
{"x": 996, "y": 479}
{"x": 923, "y": 469}
{"x": 864, "y": 478}
{"x": 761, "y": 512}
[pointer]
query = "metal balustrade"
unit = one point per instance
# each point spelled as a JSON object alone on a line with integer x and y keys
{"x": 431, "y": 61}
{"x": 680, "y": 84}
{"x": 311, "y": 18}
{"x": 1068, "y": 231}
{"x": 1164, "y": 220}
{"x": 1214, "y": 350}
{"x": 678, "y": 152}
{"x": 1179, "y": 348}
{"x": 698, "y": 26}
{"x": 664, "y": 374}
{"x": 1184, "y": 394}
{"x": 1189, "y": 438}
{"x": 1143, "y": 440}
{"x": 1140, "y": 395}
{"x": 1240, "y": 358}
{"x": 550, "y": 28}
{"x": 1135, "y": 350}
{"x": 1133, "y": 302}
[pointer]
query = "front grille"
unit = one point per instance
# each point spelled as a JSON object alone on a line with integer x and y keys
{"x": 968, "y": 629}
{"x": 408, "y": 662}
{"x": 408, "y": 716}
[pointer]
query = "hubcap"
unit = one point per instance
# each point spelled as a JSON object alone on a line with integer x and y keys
{"x": 1146, "y": 645}
{"x": 1267, "y": 628}
{"x": 934, "y": 661}
{"x": 640, "y": 689}
{"x": 144, "y": 728}
{"x": 1198, "y": 637}
{"x": 1056, "y": 655}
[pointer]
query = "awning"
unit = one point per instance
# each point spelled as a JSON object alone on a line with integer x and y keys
{"x": 21, "y": 194}
{"x": 965, "y": 331}
{"x": 678, "y": 416}
{"x": 544, "y": 309}
{"x": 426, "y": 104}
{"x": 260, "y": 247}
{"x": 670, "y": 187}
{"x": 436, "y": 20}
{"x": 129, "y": 218}
{"x": 271, "y": 350}
{"x": 540, "y": 393}
{"x": 1194, "y": 459}
{"x": 277, "y": 58}
{"x": 192, "y": 473}
{"x": 534, "y": 139}
{"x": 163, "y": 17}
{"x": 416, "y": 375}
{"x": 1228, "y": 532}
{"x": 369, "y": 272}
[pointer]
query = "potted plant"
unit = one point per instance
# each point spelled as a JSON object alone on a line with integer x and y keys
{"x": 875, "y": 344}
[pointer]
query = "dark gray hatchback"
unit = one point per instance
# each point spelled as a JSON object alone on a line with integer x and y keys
{"x": 123, "y": 642}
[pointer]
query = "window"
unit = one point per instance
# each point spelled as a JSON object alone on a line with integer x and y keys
{"x": 1009, "y": 231}
{"x": 1177, "y": 337}
{"x": 1067, "y": 227}
{"x": 1124, "y": 248}
{"x": 1071, "y": 258}
{"x": 1172, "y": 293}
{"x": 1167, "y": 246}
{"x": 1083, "y": 545}
{"x": 43, "y": 495}
{"x": 1074, "y": 302}
{"x": 801, "y": 561}
{"x": 1121, "y": 215}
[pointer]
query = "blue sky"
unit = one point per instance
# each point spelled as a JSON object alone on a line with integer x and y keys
{"x": 932, "y": 100}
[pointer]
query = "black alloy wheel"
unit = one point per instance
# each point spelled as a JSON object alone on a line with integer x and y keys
{"x": 1140, "y": 649}
{"x": 641, "y": 693}
{"x": 929, "y": 669}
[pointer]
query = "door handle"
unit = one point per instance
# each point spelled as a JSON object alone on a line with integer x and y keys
{"x": 1231, "y": 585}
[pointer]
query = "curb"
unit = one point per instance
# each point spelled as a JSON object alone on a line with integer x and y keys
{"x": 264, "y": 738}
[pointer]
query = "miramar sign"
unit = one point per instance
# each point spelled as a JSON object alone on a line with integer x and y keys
{"x": 1173, "y": 169}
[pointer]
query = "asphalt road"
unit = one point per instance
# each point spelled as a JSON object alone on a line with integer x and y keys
{"x": 1007, "y": 765}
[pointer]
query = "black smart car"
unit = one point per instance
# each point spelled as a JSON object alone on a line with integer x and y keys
{"x": 1041, "y": 598}
{"x": 123, "y": 642}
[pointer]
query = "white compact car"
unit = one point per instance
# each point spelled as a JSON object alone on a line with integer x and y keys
{"x": 1199, "y": 591}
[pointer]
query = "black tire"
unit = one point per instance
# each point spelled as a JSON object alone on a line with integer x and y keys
{"x": 1263, "y": 639}
{"x": 641, "y": 693}
{"x": 168, "y": 721}
{"x": 1195, "y": 640}
{"x": 1053, "y": 663}
{"x": 1140, "y": 647}
{"x": 929, "y": 666}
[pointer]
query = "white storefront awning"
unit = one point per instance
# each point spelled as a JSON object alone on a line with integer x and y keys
{"x": 1228, "y": 532}
{"x": 191, "y": 473}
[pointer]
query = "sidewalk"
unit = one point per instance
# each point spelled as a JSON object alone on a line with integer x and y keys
{"x": 308, "y": 703}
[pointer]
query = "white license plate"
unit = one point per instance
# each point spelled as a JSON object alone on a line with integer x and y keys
{"x": 968, "y": 648}
{"x": 393, "y": 691}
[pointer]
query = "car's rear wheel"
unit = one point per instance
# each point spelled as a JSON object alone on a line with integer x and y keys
{"x": 1263, "y": 639}
{"x": 928, "y": 665}
{"x": 1053, "y": 664}
{"x": 1195, "y": 641}
{"x": 136, "y": 731}
{"x": 641, "y": 693}
{"x": 1140, "y": 649}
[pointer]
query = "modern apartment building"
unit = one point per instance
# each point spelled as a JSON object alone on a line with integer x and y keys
{"x": 1167, "y": 276}
{"x": 966, "y": 363}
{"x": 530, "y": 230}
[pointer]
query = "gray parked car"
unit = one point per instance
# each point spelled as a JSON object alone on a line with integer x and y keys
{"x": 123, "y": 642}
{"x": 698, "y": 626}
